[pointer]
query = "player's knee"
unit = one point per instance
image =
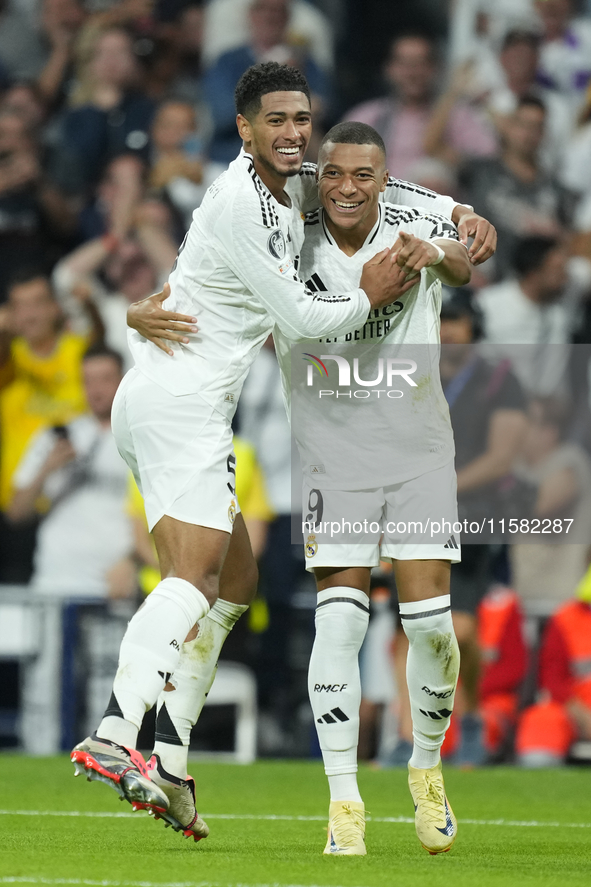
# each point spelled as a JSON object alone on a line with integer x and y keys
{"x": 207, "y": 583}
{"x": 251, "y": 579}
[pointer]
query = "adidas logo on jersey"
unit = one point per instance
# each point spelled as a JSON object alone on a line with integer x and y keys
{"x": 328, "y": 718}
{"x": 451, "y": 543}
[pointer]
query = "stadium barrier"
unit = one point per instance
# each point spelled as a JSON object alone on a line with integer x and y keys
{"x": 67, "y": 650}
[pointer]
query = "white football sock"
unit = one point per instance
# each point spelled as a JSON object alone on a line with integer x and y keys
{"x": 334, "y": 686}
{"x": 432, "y": 671}
{"x": 179, "y": 709}
{"x": 149, "y": 654}
{"x": 344, "y": 786}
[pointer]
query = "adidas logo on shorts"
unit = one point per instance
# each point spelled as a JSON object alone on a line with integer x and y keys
{"x": 451, "y": 543}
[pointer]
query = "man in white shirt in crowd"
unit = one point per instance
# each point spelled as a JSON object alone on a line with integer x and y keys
{"x": 537, "y": 308}
{"x": 76, "y": 470}
{"x": 74, "y": 474}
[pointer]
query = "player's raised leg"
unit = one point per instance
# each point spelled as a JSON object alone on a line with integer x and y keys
{"x": 181, "y": 702}
{"x": 432, "y": 673}
{"x": 150, "y": 653}
{"x": 334, "y": 685}
{"x": 183, "y": 463}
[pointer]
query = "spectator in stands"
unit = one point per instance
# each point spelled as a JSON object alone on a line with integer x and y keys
{"x": 269, "y": 41}
{"x": 565, "y": 58}
{"x": 513, "y": 190}
{"x": 477, "y": 29}
{"x": 113, "y": 202}
{"x": 487, "y": 409}
{"x": 412, "y": 73}
{"x": 519, "y": 59}
{"x": 107, "y": 273}
{"x": 504, "y": 659}
{"x": 32, "y": 222}
{"x": 60, "y": 22}
{"x": 74, "y": 474}
{"x": 21, "y": 47}
{"x": 575, "y": 174}
{"x": 547, "y": 572}
{"x": 517, "y": 80}
{"x": 539, "y": 307}
{"x": 180, "y": 171}
{"x": 40, "y": 385}
{"x": 562, "y": 712}
{"x": 40, "y": 370}
{"x": 40, "y": 51}
{"x": 227, "y": 27}
{"x": 175, "y": 68}
{"x": 25, "y": 99}
{"x": 108, "y": 114}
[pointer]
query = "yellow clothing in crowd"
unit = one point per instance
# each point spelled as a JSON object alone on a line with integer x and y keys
{"x": 37, "y": 392}
{"x": 583, "y": 589}
{"x": 250, "y": 492}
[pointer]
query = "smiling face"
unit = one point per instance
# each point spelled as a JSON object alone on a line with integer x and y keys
{"x": 278, "y": 135}
{"x": 350, "y": 179}
{"x": 35, "y": 311}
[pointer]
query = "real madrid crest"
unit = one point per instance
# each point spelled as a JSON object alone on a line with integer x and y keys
{"x": 311, "y": 545}
{"x": 232, "y": 511}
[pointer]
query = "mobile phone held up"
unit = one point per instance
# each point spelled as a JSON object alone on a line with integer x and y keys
{"x": 61, "y": 432}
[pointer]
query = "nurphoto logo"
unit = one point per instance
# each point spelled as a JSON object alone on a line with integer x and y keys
{"x": 388, "y": 370}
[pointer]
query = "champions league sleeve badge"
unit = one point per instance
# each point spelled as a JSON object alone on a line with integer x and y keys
{"x": 311, "y": 545}
{"x": 276, "y": 244}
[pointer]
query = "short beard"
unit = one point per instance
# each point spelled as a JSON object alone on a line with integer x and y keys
{"x": 279, "y": 172}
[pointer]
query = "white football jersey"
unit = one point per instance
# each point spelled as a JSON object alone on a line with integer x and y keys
{"x": 237, "y": 273}
{"x": 353, "y": 440}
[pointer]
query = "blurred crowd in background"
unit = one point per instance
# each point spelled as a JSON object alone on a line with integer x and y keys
{"x": 115, "y": 117}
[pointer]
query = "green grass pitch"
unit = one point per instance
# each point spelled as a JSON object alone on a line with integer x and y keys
{"x": 516, "y": 828}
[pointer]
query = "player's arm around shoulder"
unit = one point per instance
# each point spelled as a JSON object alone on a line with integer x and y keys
{"x": 258, "y": 248}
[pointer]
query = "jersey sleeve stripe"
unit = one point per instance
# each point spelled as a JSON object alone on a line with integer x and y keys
{"x": 414, "y": 189}
{"x": 308, "y": 169}
{"x": 270, "y": 217}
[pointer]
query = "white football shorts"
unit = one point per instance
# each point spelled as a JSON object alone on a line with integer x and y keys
{"x": 413, "y": 520}
{"x": 180, "y": 451}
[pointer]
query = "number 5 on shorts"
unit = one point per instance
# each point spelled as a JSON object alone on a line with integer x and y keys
{"x": 231, "y": 463}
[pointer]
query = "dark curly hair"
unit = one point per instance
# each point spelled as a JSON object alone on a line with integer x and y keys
{"x": 266, "y": 77}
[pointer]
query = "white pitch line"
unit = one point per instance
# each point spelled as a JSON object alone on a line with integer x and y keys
{"x": 86, "y": 882}
{"x": 272, "y": 817}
